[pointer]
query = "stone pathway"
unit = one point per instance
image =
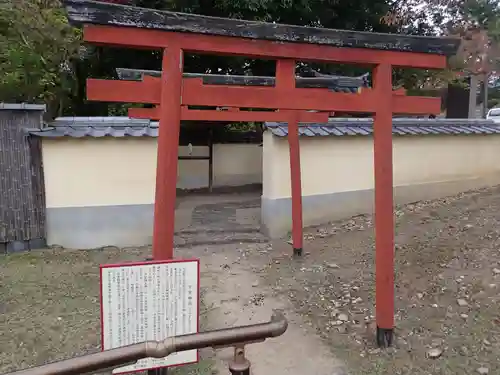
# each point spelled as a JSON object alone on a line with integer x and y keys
{"x": 218, "y": 219}
{"x": 235, "y": 294}
{"x": 223, "y": 231}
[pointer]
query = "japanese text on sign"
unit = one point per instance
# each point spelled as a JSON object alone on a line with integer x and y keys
{"x": 152, "y": 301}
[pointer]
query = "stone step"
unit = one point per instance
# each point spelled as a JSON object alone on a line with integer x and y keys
{"x": 201, "y": 236}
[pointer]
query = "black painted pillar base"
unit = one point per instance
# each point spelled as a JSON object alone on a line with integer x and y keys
{"x": 385, "y": 337}
{"x": 239, "y": 372}
{"x": 297, "y": 252}
{"x": 158, "y": 371}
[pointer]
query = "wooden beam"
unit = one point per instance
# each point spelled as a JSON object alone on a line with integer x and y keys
{"x": 333, "y": 82}
{"x": 195, "y": 93}
{"x": 100, "y": 13}
{"x": 230, "y": 116}
{"x": 220, "y": 45}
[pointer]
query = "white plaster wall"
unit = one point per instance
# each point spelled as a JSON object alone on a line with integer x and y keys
{"x": 342, "y": 164}
{"x": 121, "y": 171}
{"x": 237, "y": 164}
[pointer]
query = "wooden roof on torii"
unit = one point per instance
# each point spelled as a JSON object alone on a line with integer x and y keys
{"x": 100, "y": 13}
{"x": 336, "y": 83}
{"x": 134, "y": 27}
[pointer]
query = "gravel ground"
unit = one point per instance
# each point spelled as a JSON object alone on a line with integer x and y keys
{"x": 447, "y": 288}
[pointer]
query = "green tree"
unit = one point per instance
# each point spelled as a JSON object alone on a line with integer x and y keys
{"x": 475, "y": 22}
{"x": 37, "y": 47}
{"x": 42, "y": 57}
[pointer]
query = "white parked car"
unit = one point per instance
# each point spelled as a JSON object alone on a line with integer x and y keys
{"x": 494, "y": 114}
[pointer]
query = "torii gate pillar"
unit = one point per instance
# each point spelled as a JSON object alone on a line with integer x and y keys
{"x": 384, "y": 202}
{"x": 168, "y": 146}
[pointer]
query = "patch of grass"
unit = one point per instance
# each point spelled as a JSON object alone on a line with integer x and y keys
{"x": 49, "y": 306}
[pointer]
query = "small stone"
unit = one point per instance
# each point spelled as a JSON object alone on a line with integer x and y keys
{"x": 461, "y": 302}
{"x": 343, "y": 317}
{"x": 435, "y": 353}
{"x": 342, "y": 329}
{"x": 464, "y": 351}
{"x": 255, "y": 284}
{"x": 486, "y": 342}
{"x": 333, "y": 265}
{"x": 436, "y": 343}
{"x": 496, "y": 271}
{"x": 483, "y": 370}
{"x": 464, "y": 316}
{"x": 420, "y": 295}
{"x": 434, "y": 305}
{"x": 334, "y": 312}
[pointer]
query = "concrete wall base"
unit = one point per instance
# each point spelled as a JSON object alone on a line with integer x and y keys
{"x": 99, "y": 226}
{"x": 276, "y": 214}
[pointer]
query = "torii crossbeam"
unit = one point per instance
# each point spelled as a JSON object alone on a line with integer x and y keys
{"x": 317, "y": 80}
{"x": 177, "y": 33}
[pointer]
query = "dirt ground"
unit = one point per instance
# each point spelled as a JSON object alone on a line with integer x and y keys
{"x": 447, "y": 289}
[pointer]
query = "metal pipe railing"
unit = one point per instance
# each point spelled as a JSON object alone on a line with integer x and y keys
{"x": 238, "y": 336}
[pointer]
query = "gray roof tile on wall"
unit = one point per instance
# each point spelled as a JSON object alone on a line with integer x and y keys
{"x": 401, "y": 126}
{"x": 95, "y": 131}
{"x": 79, "y": 127}
{"x": 22, "y": 107}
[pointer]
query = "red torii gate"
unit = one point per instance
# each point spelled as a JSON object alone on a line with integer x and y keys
{"x": 176, "y": 33}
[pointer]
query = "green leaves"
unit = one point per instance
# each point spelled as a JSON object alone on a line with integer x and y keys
{"x": 36, "y": 49}
{"x": 42, "y": 58}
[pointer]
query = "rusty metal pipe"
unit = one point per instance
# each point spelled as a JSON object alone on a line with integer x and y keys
{"x": 159, "y": 349}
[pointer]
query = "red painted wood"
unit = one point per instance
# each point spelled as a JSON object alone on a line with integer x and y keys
{"x": 156, "y": 39}
{"x": 146, "y": 113}
{"x": 285, "y": 83}
{"x": 124, "y": 91}
{"x": 296, "y": 184}
{"x": 290, "y": 101}
{"x": 384, "y": 215}
{"x": 195, "y": 93}
{"x": 230, "y": 115}
{"x": 168, "y": 149}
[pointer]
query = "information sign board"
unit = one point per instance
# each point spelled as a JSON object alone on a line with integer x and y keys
{"x": 149, "y": 301}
